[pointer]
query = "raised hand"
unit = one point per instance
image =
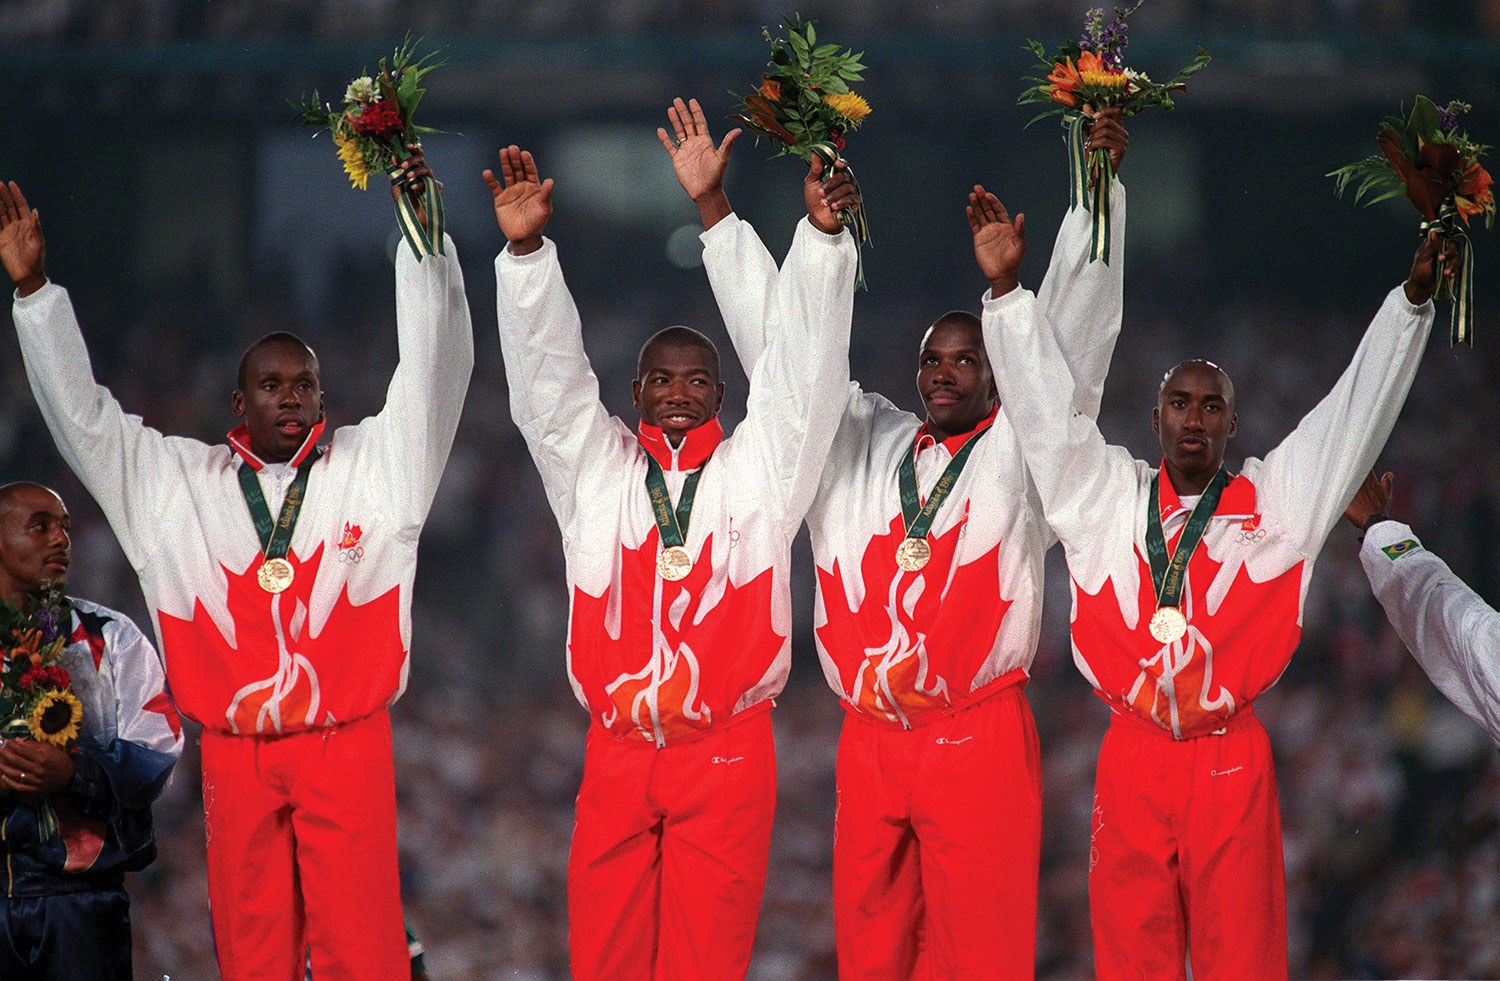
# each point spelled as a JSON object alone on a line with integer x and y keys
{"x": 1108, "y": 133}
{"x": 999, "y": 243}
{"x": 23, "y": 249}
{"x": 1372, "y": 498}
{"x": 413, "y": 180}
{"x": 524, "y": 203}
{"x": 699, "y": 164}
{"x": 1435, "y": 252}
{"x": 826, "y": 197}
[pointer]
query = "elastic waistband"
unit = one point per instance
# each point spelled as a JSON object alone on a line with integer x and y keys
{"x": 305, "y": 732}
{"x": 1241, "y": 719}
{"x": 755, "y": 711}
{"x": 1015, "y": 678}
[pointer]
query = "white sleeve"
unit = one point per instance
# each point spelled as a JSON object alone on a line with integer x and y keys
{"x": 554, "y": 396}
{"x": 435, "y": 339}
{"x": 1453, "y": 633}
{"x": 126, "y": 465}
{"x": 1075, "y": 471}
{"x": 792, "y": 414}
{"x": 1310, "y": 478}
{"x": 1084, "y": 301}
{"x": 142, "y": 705}
{"x": 742, "y": 274}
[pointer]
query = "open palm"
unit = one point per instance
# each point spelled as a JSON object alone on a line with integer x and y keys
{"x": 523, "y": 204}
{"x": 699, "y": 164}
{"x": 23, "y": 250}
{"x": 999, "y": 242}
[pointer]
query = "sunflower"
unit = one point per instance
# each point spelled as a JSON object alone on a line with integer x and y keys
{"x": 55, "y": 718}
{"x": 353, "y": 160}
{"x": 852, "y": 107}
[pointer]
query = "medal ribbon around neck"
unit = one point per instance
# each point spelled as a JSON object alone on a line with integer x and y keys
{"x": 674, "y": 562}
{"x": 276, "y": 536}
{"x": 1169, "y": 572}
{"x": 917, "y": 516}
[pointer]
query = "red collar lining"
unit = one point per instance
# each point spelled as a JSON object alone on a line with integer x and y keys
{"x": 239, "y": 441}
{"x": 1237, "y": 501}
{"x": 955, "y": 443}
{"x": 697, "y": 445}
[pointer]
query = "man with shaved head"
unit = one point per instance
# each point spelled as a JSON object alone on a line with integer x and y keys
{"x": 678, "y": 543}
{"x": 1188, "y": 589}
{"x": 279, "y": 574}
{"x": 65, "y": 913}
{"x": 929, "y": 541}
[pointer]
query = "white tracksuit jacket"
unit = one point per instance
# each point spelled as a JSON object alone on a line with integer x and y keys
{"x": 903, "y": 648}
{"x": 1247, "y": 581}
{"x": 334, "y": 647}
{"x": 650, "y": 659}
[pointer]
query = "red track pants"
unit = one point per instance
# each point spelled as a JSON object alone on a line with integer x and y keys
{"x": 1186, "y": 855}
{"x": 669, "y": 854}
{"x": 302, "y": 851}
{"x": 936, "y": 845}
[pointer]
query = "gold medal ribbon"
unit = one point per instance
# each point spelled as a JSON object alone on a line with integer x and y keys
{"x": 671, "y": 524}
{"x": 1169, "y": 572}
{"x": 276, "y": 536}
{"x": 917, "y": 516}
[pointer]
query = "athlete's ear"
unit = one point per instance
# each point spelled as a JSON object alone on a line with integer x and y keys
{"x": 1156, "y": 421}
{"x": 635, "y": 393}
{"x": 1234, "y": 423}
{"x": 719, "y": 403}
{"x": 237, "y": 404}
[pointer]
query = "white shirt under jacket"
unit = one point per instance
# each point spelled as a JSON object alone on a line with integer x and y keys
{"x": 653, "y": 660}
{"x": 1247, "y": 580}
{"x": 1453, "y": 633}
{"x": 333, "y": 647}
{"x": 905, "y": 647}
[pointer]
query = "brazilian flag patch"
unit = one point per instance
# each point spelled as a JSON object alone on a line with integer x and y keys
{"x": 1395, "y": 550}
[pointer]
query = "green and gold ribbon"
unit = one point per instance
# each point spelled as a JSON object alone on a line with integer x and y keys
{"x": 859, "y": 226}
{"x": 1090, "y": 176}
{"x": 672, "y": 524}
{"x": 917, "y": 516}
{"x": 276, "y": 536}
{"x": 1169, "y": 572}
{"x": 1460, "y": 290}
{"x": 423, "y": 241}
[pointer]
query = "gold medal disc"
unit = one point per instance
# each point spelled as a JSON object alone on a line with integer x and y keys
{"x": 275, "y": 575}
{"x": 912, "y": 554}
{"x": 1168, "y": 624}
{"x": 674, "y": 563}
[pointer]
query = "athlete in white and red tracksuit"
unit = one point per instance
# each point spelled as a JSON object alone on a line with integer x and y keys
{"x": 938, "y": 828}
{"x": 291, "y": 687}
{"x": 1186, "y": 849}
{"x": 674, "y": 814}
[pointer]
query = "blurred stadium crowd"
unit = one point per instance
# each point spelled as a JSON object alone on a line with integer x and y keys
{"x": 1390, "y": 798}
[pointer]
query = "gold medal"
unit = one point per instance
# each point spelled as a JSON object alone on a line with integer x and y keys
{"x": 674, "y": 563}
{"x": 275, "y": 575}
{"x": 912, "y": 554}
{"x": 1168, "y": 624}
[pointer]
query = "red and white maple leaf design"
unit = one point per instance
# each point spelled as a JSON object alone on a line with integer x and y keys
{"x": 884, "y": 651}
{"x": 351, "y": 536}
{"x": 1227, "y": 658}
{"x": 665, "y": 664}
{"x": 277, "y": 676}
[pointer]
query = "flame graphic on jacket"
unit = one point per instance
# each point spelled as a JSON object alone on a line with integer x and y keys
{"x": 1241, "y": 634}
{"x": 886, "y": 649}
{"x": 658, "y": 660}
{"x": 277, "y": 676}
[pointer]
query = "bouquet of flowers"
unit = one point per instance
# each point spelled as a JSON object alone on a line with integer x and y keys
{"x": 1091, "y": 72}
{"x": 372, "y": 128}
{"x": 1427, "y": 156}
{"x": 805, "y": 105}
{"x": 36, "y": 695}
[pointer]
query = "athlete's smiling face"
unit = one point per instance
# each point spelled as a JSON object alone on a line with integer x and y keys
{"x": 677, "y": 388}
{"x": 280, "y": 397}
{"x": 954, "y": 377}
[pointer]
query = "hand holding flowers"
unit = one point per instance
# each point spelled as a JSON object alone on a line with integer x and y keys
{"x": 1427, "y": 156}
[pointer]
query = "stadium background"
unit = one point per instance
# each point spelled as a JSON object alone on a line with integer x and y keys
{"x": 188, "y": 214}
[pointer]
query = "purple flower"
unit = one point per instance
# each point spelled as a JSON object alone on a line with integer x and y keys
{"x": 47, "y": 620}
{"x": 1448, "y": 116}
{"x": 1105, "y": 40}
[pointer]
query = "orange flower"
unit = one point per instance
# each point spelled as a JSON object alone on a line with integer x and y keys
{"x": 1474, "y": 195}
{"x": 771, "y": 89}
{"x": 1066, "y": 77}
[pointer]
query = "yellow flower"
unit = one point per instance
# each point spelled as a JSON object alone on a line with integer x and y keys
{"x": 55, "y": 718}
{"x": 353, "y": 161}
{"x": 1104, "y": 78}
{"x": 852, "y": 107}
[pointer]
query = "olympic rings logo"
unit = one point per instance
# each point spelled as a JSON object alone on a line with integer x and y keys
{"x": 352, "y": 554}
